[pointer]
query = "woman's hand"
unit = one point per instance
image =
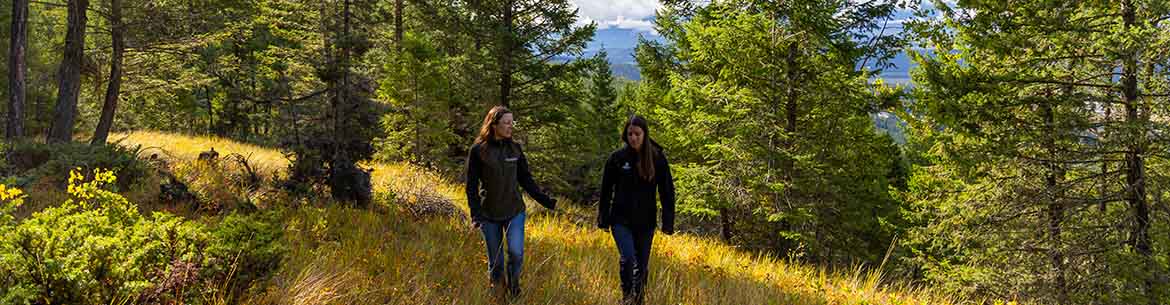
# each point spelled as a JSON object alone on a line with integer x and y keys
{"x": 476, "y": 222}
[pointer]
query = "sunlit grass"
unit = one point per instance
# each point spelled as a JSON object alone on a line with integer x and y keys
{"x": 184, "y": 147}
{"x": 341, "y": 255}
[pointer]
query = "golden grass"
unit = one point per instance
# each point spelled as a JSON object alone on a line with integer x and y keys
{"x": 183, "y": 147}
{"x": 341, "y": 255}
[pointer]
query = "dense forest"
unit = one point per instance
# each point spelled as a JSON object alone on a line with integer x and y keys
{"x": 1034, "y": 166}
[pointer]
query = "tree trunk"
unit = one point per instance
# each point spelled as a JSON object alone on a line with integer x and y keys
{"x": 1055, "y": 207}
{"x": 1104, "y": 160}
{"x": 506, "y": 58}
{"x": 113, "y": 89}
{"x": 1135, "y": 156}
{"x": 210, "y": 110}
{"x": 398, "y": 23}
{"x": 791, "y": 109}
{"x": 69, "y": 74}
{"x": 16, "y": 67}
{"x": 725, "y": 228}
{"x": 341, "y": 95}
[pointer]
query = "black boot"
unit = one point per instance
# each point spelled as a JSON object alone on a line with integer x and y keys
{"x": 514, "y": 287}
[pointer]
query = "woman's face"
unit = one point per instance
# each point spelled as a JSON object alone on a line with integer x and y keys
{"x": 635, "y": 135}
{"x": 503, "y": 127}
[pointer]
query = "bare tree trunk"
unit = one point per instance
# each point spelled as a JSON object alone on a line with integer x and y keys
{"x": 725, "y": 228}
{"x": 341, "y": 95}
{"x": 398, "y": 23}
{"x": 1104, "y": 160}
{"x": 69, "y": 74}
{"x": 1135, "y": 156}
{"x": 791, "y": 109}
{"x": 113, "y": 89}
{"x": 16, "y": 67}
{"x": 210, "y": 110}
{"x": 1055, "y": 207}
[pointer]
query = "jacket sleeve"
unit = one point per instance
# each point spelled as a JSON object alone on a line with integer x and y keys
{"x": 607, "y": 182}
{"x": 474, "y": 165}
{"x": 666, "y": 193}
{"x": 529, "y": 185}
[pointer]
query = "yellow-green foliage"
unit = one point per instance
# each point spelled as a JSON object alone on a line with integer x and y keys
{"x": 340, "y": 255}
{"x": 10, "y": 199}
{"x": 97, "y": 248}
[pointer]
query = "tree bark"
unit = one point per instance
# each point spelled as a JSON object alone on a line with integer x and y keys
{"x": 791, "y": 112}
{"x": 1135, "y": 155}
{"x": 16, "y": 67}
{"x": 113, "y": 89}
{"x": 726, "y": 225}
{"x": 69, "y": 74}
{"x": 1055, "y": 207}
{"x": 398, "y": 23}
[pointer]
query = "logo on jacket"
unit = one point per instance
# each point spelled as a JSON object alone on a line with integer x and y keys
{"x": 511, "y": 159}
{"x": 626, "y": 166}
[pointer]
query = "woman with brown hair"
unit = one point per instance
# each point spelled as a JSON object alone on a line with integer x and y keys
{"x": 497, "y": 168}
{"x": 632, "y": 177}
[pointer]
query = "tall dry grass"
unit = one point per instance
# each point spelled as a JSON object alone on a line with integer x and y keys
{"x": 340, "y": 255}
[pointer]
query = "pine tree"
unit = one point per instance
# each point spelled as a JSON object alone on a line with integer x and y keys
{"x": 1022, "y": 143}
{"x": 764, "y": 104}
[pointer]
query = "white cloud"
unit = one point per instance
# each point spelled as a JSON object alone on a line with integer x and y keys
{"x": 622, "y": 14}
{"x": 621, "y": 22}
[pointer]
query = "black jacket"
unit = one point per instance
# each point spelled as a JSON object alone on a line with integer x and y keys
{"x": 502, "y": 169}
{"x": 628, "y": 199}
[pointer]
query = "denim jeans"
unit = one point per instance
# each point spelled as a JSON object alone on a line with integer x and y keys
{"x": 634, "y": 247}
{"x": 494, "y": 235}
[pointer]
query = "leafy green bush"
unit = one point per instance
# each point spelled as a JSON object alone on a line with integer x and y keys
{"x": 247, "y": 248}
{"x": 30, "y": 161}
{"x": 96, "y": 248}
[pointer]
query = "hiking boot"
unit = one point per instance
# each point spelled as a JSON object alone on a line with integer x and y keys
{"x": 514, "y": 288}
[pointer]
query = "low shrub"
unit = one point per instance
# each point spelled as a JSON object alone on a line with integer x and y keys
{"x": 30, "y": 161}
{"x": 97, "y": 248}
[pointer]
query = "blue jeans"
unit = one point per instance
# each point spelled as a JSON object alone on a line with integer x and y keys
{"x": 494, "y": 233}
{"x": 634, "y": 247}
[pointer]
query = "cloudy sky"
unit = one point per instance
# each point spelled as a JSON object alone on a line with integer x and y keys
{"x": 636, "y": 14}
{"x": 620, "y": 14}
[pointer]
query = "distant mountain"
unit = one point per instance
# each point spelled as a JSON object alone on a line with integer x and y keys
{"x": 621, "y": 43}
{"x": 615, "y": 38}
{"x": 890, "y": 124}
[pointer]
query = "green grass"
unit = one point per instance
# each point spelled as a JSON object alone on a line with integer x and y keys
{"x": 382, "y": 256}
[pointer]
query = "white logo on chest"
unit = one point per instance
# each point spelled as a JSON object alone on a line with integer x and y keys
{"x": 511, "y": 159}
{"x": 626, "y": 166}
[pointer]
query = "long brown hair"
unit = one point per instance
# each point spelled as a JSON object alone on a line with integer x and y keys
{"x": 486, "y": 132}
{"x": 649, "y": 148}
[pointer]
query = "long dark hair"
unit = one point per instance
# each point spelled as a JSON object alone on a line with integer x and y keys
{"x": 486, "y": 132}
{"x": 649, "y": 147}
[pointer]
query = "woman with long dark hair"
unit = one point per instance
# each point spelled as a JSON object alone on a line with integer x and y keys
{"x": 497, "y": 168}
{"x": 629, "y": 182}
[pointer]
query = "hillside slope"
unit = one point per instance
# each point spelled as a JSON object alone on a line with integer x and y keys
{"x": 389, "y": 255}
